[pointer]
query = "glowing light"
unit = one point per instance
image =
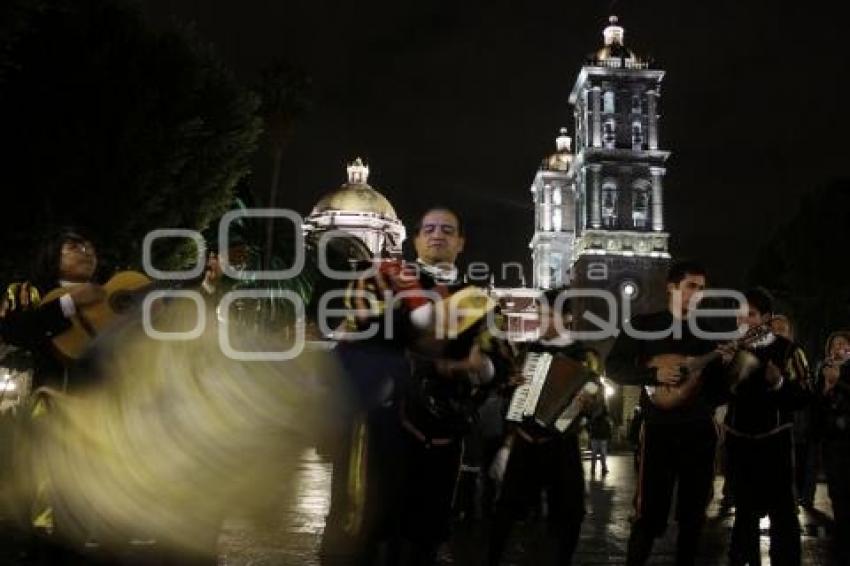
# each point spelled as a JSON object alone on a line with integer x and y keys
{"x": 563, "y": 141}
{"x": 608, "y": 387}
{"x": 613, "y": 33}
{"x": 7, "y": 384}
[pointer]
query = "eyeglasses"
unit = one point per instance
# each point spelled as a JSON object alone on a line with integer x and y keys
{"x": 78, "y": 247}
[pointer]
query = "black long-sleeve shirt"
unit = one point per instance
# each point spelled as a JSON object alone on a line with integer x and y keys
{"x": 756, "y": 408}
{"x": 833, "y": 407}
{"x": 627, "y": 365}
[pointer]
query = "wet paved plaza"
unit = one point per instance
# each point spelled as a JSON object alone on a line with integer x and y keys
{"x": 294, "y": 540}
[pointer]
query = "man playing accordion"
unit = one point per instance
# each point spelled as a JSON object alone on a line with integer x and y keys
{"x": 536, "y": 456}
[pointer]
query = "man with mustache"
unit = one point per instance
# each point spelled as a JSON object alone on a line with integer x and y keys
{"x": 438, "y": 403}
{"x": 417, "y": 392}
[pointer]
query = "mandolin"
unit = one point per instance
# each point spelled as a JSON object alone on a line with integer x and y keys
{"x": 122, "y": 292}
{"x": 669, "y": 397}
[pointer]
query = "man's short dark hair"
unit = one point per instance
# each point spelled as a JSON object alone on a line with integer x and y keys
{"x": 550, "y": 298}
{"x": 682, "y": 268}
{"x": 460, "y": 227}
{"x": 760, "y": 299}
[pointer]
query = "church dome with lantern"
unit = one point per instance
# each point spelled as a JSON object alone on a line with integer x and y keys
{"x": 562, "y": 159}
{"x": 614, "y": 52}
{"x": 357, "y": 208}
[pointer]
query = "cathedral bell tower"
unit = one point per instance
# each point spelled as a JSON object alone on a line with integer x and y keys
{"x": 620, "y": 240}
{"x": 554, "y": 194}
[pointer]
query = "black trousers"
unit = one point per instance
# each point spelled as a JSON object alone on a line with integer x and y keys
{"x": 680, "y": 453}
{"x": 423, "y": 496}
{"x": 836, "y": 459}
{"x": 763, "y": 483}
{"x": 555, "y": 466}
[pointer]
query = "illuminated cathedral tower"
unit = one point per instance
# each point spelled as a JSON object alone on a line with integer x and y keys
{"x": 619, "y": 168}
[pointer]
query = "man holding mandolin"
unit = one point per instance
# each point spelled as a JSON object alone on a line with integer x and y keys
{"x": 659, "y": 352}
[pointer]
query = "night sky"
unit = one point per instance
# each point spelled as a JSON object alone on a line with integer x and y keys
{"x": 457, "y": 101}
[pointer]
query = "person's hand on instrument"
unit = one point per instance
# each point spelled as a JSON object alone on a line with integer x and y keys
{"x": 727, "y": 352}
{"x": 669, "y": 374}
{"x": 773, "y": 375}
{"x": 830, "y": 377}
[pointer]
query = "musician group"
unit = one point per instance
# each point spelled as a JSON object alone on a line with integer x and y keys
{"x": 416, "y": 395}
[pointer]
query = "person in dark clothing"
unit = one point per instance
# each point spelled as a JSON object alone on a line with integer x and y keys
{"x": 448, "y": 382}
{"x": 635, "y": 427}
{"x": 534, "y": 458}
{"x": 599, "y": 430}
{"x": 833, "y": 412}
{"x": 678, "y": 444}
{"x": 417, "y": 393}
{"x": 806, "y": 444}
{"x": 68, "y": 260}
{"x": 759, "y": 441}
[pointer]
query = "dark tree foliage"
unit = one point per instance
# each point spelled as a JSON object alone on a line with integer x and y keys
{"x": 807, "y": 265}
{"x": 284, "y": 92}
{"x": 109, "y": 125}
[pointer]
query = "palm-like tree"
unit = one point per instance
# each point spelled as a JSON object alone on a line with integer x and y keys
{"x": 285, "y": 95}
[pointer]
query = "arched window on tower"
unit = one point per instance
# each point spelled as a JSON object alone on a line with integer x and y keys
{"x": 555, "y": 274}
{"x": 637, "y": 135}
{"x": 636, "y": 104}
{"x": 609, "y": 134}
{"x": 608, "y": 102}
{"x": 640, "y": 206}
{"x": 557, "y": 210}
{"x": 609, "y": 205}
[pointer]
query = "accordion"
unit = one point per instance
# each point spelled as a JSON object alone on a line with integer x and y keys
{"x": 549, "y": 396}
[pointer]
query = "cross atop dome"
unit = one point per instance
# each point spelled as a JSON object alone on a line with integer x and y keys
{"x": 358, "y": 173}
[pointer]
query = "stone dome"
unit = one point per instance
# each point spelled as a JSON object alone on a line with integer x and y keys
{"x": 356, "y": 196}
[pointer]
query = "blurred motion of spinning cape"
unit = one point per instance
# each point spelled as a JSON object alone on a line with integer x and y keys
{"x": 172, "y": 436}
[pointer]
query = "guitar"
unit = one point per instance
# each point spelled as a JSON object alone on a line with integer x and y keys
{"x": 121, "y": 294}
{"x": 667, "y": 396}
